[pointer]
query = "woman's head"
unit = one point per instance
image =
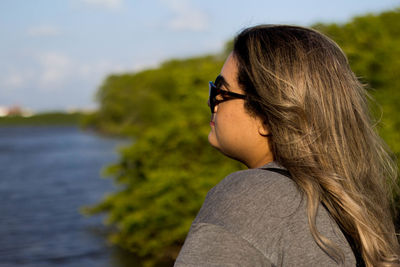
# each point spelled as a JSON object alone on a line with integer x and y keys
{"x": 234, "y": 131}
{"x": 299, "y": 85}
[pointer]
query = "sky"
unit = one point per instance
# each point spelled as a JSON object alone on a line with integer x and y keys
{"x": 54, "y": 54}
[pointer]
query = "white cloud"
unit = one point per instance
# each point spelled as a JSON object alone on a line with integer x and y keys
{"x": 186, "y": 16}
{"x": 98, "y": 70}
{"x": 105, "y": 3}
{"x": 47, "y": 71}
{"x": 56, "y": 68}
{"x": 12, "y": 79}
{"x": 43, "y": 30}
{"x": 55, "y": 72}
{"x": 54, "y": 79}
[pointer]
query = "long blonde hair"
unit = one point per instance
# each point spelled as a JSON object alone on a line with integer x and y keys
{"x": 300, "y": 83}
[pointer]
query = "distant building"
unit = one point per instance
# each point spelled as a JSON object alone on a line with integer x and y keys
{"x": 3, "y": 111}
{"x": 14, "y": 111}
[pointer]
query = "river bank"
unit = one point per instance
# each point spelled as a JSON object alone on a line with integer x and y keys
{"x": 48, "y": 174}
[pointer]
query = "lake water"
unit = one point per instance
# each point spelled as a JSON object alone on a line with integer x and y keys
{"x": 46, "y": 175}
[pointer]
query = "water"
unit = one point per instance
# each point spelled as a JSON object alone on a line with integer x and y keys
{"x": 46, "y": 175}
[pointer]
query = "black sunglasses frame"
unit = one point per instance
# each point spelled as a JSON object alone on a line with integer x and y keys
{"x": 214, "y": 91}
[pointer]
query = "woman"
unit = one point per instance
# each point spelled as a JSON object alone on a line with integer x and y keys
{"x": 318, "y": 188}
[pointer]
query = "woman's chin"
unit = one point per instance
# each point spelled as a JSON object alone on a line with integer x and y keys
{"x": 212, "y": 140}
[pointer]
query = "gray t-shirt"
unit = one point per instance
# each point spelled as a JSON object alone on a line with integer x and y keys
{"x": 257, "y": 217}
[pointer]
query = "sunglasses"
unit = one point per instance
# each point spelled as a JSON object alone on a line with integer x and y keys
{"x": 215, "y": 90}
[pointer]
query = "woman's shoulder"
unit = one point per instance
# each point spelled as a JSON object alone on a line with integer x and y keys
{"x": 250, "y": 193}
{"x": 266, "y": 208}
{"x": 264, "y": 184}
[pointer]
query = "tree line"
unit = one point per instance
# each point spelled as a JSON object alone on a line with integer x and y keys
{"x": 166, "y": 171}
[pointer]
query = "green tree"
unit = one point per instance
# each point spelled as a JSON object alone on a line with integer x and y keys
{"x": 372, "y": 44}
{"x": 167, "y": 170}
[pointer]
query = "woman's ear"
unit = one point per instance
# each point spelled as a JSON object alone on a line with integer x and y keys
{"x": 263, "y": 130}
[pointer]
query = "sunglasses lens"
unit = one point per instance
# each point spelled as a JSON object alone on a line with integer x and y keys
{"x": 211, "y": 96}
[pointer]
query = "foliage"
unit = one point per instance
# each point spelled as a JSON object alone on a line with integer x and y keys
{"x": 166, "y": 172}
{"x": 48, "y": 118}
{"x": 170, "y": 167}
{"x": 372, "y": 44}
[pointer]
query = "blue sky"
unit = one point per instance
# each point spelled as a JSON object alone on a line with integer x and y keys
{"x": 54, "y": 54}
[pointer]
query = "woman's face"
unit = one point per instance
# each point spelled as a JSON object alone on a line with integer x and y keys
{"x": 235, "y": 132}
